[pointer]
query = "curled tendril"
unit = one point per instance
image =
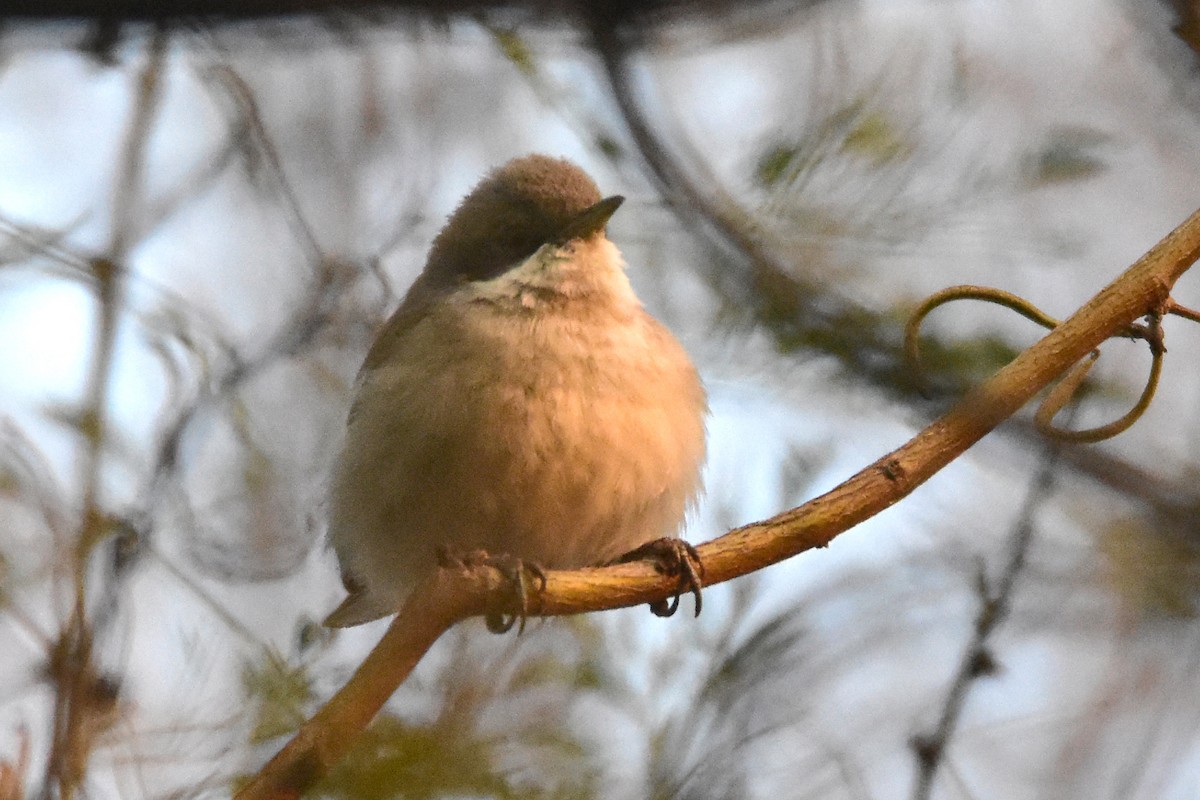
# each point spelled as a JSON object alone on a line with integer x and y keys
{"x": 912, "y": 345}
{"x": 1064, "y": 390}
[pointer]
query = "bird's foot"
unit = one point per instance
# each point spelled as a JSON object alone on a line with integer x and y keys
{"x": 519, "y": 574}
{"x": 676, "y": 558}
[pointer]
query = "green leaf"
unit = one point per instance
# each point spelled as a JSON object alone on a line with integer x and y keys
{"x": 283, "y": 693}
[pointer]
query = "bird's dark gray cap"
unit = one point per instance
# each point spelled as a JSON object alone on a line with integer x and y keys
{"x": 528, "y": 202}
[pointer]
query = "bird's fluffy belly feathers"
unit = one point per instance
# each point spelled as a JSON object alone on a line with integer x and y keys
{"x": 559, "y": 451}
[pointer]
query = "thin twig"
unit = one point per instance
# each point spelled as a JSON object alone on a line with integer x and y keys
{"x": 80, "y": 693}
{"x": 995, "y": 603}
{"x": 250, "y": 118}
{"x": 1182, "y": 311}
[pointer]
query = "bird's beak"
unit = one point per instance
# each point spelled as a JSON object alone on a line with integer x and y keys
{"x": 591, "y": 220}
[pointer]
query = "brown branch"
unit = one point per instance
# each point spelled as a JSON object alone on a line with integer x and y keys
{"x": 448, "y": 597}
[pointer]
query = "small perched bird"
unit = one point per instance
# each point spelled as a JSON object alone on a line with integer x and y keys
{"x": 520, "y": 401}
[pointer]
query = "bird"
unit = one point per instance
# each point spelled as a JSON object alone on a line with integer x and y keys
{"x": 520, "y": 401}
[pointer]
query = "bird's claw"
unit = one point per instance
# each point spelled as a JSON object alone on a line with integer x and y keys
{"x": 676, "y": 558}
{"x": 517, "y": 573}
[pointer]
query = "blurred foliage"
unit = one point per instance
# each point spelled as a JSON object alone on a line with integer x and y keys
{"x": 876, "y": 137}
{"x": 282, "y": 694}
{"x": 516, "y": 50}
{"x": 962, "y": 362}
{"x": 865, "y": 341}
{"x": 396, "y": 759}
{"x": 1154, "y": 572}
{"x": 500, "y": 728}
{"x": 857, "y": 129}
{"x": 868, "y": 344}
{"x": 775, "y": 164}
{"x": 1067, "y": 154}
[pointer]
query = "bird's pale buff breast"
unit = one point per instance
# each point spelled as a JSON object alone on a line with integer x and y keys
{"x": 542, "y": 430}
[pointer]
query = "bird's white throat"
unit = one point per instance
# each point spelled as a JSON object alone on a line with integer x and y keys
{"x": 592, "y": 268}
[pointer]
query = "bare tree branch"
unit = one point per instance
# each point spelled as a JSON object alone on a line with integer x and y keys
{"x": 449, "y": 596}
